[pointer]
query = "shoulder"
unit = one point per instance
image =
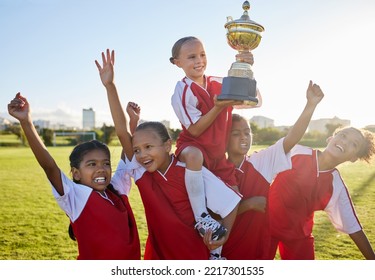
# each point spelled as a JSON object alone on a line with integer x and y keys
{"x": 215, "y": 79}
{"x": 301, "y": 150}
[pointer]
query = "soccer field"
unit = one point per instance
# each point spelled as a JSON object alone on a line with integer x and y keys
{"x": 32, "y": 226}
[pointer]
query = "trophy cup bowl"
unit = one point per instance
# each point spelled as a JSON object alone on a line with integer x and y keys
{"x": 243, "y": 35}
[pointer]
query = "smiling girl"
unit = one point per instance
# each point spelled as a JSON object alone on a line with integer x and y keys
{"x": 96, "y": 203}
{"x": 160, "y": 180}
{"x": 314, "y": 184}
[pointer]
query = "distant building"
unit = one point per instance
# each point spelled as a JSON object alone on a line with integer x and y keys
{"x": 370, "y": 127}
{"x": 262, "y": 122}
{"x": 88, "y": 119}
{"x": 320, "y": 124}
{"x": 42, "y": 124}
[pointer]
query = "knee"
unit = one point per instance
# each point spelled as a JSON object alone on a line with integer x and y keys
{"x": 193, "y": 158}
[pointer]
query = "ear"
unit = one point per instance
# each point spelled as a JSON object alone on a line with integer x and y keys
{"x": 329, "y": 139}
{"x": 76, "y": 174}
{"x": 168, "y": 145}
{"x": 177, "y": 62}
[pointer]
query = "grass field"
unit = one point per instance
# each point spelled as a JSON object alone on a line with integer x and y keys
{"x": 32, "y": 226}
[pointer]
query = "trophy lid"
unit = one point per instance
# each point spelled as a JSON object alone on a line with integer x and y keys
{"x": 244, "y": 19}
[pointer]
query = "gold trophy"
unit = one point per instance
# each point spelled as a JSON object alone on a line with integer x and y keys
{"x": 243, "y": 35}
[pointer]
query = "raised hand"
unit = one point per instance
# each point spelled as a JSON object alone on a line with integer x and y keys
{"x": 19, "y": 108}
{"x": 106, "y": 70}
{"x": 245, "y": 57}
{"x": 133, "y": 110}
{"x": 314, "y": 94}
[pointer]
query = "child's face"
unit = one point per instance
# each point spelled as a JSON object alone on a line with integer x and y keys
{"x": 192, "y": 59}
{"x": 345, "y": 145}
{"x": 240, "y": 138}
{"x": 94, "y": 170}
{"x": 150, "y": 151}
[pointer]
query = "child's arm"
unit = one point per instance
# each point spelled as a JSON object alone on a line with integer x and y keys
{"x": 20, "y": 109}
{"x": 206, "y": 120}
{"x": 134, "y": 113}
{"x": 363, "y": 244}
{"x": 121, "y": 125}
{"x": 314, "y": 95}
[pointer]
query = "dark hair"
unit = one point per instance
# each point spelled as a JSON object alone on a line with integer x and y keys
{"x": 82, "y": 149}
{"x": 177, "y": 47}
{"x": 157, "y": 127}
{"x": 237, "y": 118}
{"x": 75, "y": 159}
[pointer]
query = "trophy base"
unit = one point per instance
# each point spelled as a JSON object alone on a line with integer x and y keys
{"x": 241, "y": 89}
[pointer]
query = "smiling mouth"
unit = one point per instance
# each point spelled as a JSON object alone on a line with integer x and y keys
{"x": 99, "y": 180}
{"x": 147, "y": 163}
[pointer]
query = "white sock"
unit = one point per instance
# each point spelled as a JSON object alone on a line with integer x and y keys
{"x": 217, "y": 251}
{"x": 195, "y": 189}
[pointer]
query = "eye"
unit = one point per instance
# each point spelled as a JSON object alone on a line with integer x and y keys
{"x": 148, "y": 147}
{"x": 136, "y": 151}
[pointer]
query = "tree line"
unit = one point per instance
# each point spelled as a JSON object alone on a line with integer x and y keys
{"x": 106, "y": 134}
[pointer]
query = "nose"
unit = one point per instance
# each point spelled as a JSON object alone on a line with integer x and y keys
{"x": 139, "y": 155}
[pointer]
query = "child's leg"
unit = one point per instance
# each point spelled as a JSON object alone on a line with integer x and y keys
{"x": 195, "y": 188}
{"x": 193, "y": 159}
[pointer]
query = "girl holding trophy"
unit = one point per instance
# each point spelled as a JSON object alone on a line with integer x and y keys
{"x": 206, "y": 124}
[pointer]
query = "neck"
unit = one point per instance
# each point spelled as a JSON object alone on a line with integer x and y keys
{"x": 236, "y": 159}
{"x": 325, "y": 161}
{"x": 200, "y": 81}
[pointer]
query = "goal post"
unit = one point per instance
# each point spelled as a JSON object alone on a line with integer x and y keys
{"x": 91, "y": 134}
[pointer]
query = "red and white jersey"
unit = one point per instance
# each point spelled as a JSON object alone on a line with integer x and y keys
{"x": 190, "y": 102}
{"x": 170, "y": 219}
{"x": 250, "y": 235}
{"x": 297, "y": 193}
{"x": 103, "y": 224}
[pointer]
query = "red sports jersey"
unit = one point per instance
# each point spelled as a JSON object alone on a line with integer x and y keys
{"x": 250, "y": 236}
{"x": 103, "y": 224}
{"x": 190, "y": 102}
{"x": 170, "y": 219}
{"x": 297, "y": 193}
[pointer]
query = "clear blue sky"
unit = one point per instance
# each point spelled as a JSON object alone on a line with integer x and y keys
{"x": 48, "y": 48}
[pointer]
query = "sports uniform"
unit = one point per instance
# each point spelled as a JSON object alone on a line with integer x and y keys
{"x": 170, "y": 220}
{"x": 250, "y": 235}
{"x": 190, "y": 102}
{"x": 103, "y": 224}
{"x": 294, "y": 197}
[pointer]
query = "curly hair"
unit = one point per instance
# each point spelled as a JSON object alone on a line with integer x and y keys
{"x": 367, "y": 149}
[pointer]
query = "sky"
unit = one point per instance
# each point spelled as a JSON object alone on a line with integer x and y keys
{"x": 48, "y": 49}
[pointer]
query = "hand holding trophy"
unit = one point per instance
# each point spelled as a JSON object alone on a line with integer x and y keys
{"x": 243, "y": 35}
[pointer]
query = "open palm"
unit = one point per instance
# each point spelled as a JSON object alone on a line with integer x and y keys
{"x": 106, "y": 71}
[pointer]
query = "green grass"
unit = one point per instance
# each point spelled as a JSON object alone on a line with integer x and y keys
{"x": 32, "y": 226}
{"x": 9, "y": 139}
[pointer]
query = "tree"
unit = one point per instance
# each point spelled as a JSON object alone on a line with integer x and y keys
{"x": 47, "y": 136}
{"x": 108, "y": 133}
